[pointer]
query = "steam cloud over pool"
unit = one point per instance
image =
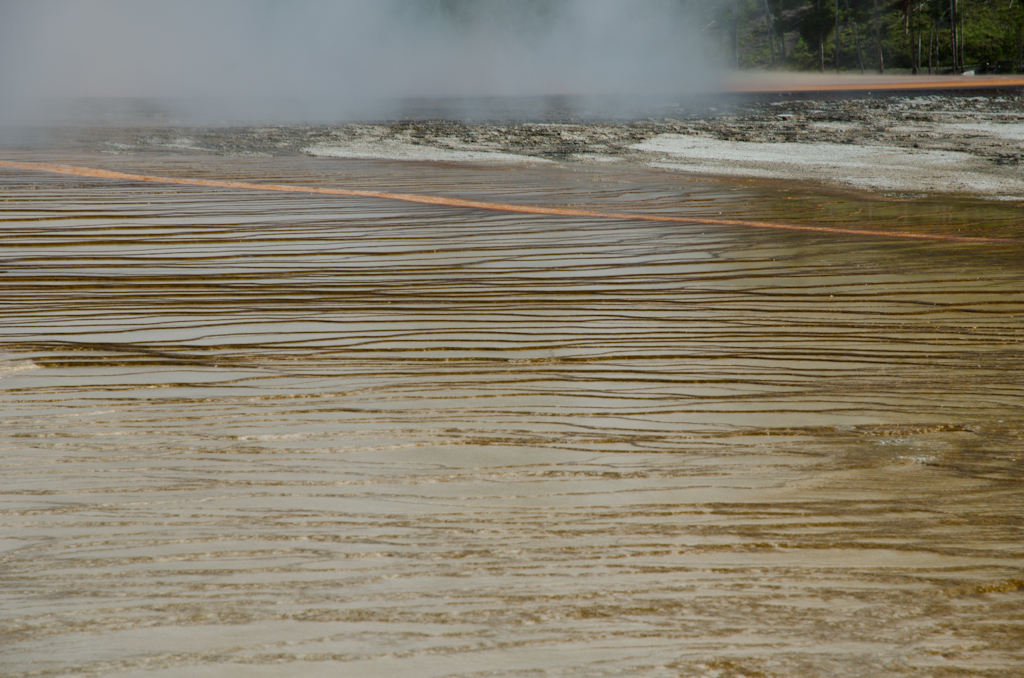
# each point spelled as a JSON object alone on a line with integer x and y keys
{"x": 342, "y": 57}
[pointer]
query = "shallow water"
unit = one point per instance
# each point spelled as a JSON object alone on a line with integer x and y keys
{"x": 261, "y": 435}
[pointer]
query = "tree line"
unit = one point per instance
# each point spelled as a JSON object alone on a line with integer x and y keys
{"x": 920, "y": 36}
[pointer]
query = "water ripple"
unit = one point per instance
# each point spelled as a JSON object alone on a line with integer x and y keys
{"x": 252, "y": 434}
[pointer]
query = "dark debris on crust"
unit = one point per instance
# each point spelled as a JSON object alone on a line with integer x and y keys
{"x": 899, "y": 121}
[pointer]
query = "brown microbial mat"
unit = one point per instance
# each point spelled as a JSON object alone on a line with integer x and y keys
{"x": 265, "y": 433}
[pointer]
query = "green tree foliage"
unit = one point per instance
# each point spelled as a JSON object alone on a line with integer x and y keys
{"x": 912, "y": 35}
{"x": 816, "y": 26}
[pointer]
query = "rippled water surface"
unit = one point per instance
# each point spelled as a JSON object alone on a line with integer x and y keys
{"x": 255, "y": 434}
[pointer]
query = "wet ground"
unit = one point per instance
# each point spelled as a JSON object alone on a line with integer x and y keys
{"x": 259, "y": 434}
{"x": 902, "y": 144}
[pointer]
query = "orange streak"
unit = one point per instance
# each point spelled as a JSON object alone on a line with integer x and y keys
{"x": 477, "y": 204}
{"x": 855, "y": 83}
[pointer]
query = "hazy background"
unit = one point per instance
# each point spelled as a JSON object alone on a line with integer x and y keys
{"x": 321, "y": 58}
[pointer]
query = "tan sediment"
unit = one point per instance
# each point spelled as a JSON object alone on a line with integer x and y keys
{"x": 875, "y": 167}
{"x": 295, "y": 434}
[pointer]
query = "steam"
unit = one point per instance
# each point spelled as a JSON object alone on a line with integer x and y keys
{"x": 340, "y": 57}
